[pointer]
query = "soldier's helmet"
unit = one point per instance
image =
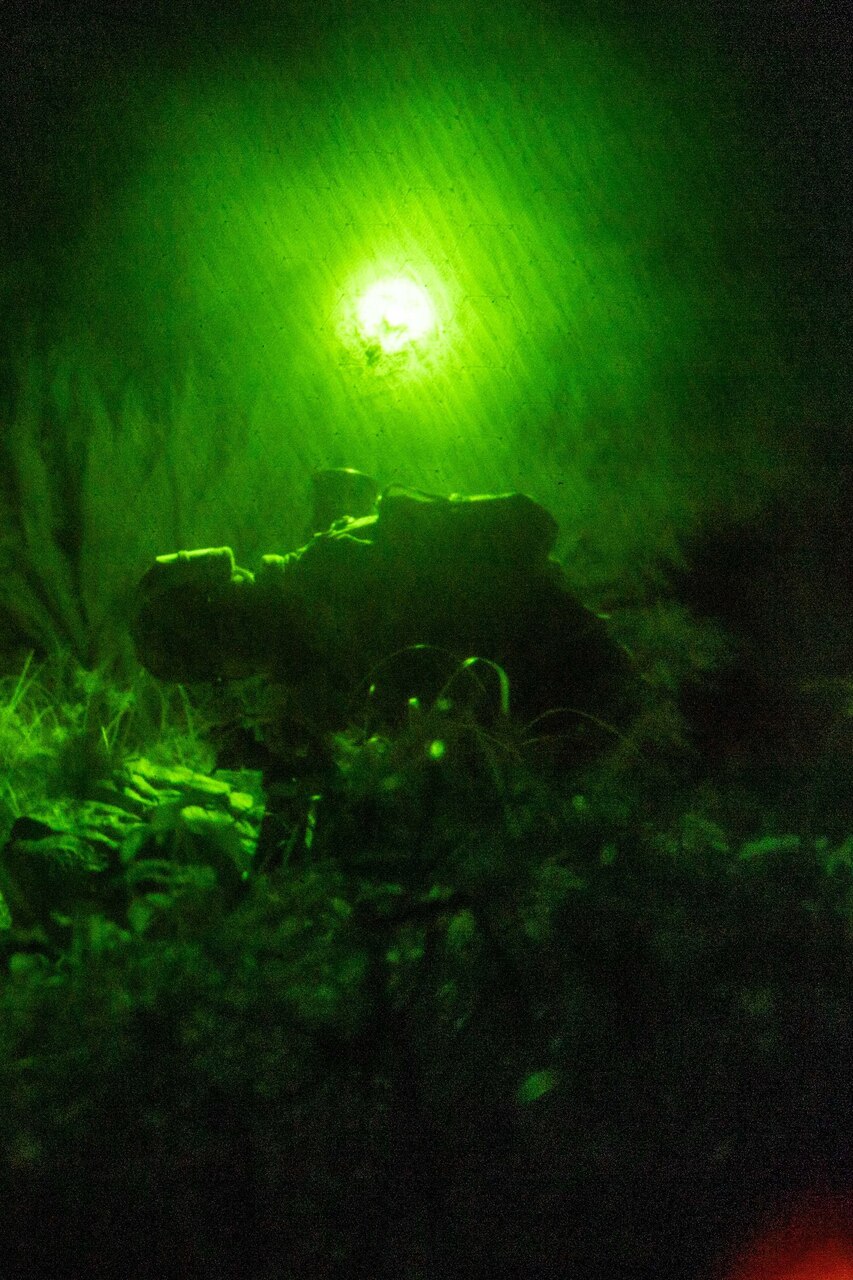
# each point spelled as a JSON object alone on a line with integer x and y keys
{"x": 337, "y": 492}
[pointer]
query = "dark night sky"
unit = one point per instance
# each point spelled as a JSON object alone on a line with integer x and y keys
{"x": 64, "y": 63}
{"x": 60, "y": 60}
{"x": 59, "y": 57}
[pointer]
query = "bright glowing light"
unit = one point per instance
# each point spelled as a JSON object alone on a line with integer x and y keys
{"x": 394, "y": 313}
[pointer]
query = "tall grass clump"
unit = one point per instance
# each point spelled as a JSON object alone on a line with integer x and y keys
{"x": 64, "y": 727}
{"x": 97, "y": 481}
{"x": 29, "y": 729}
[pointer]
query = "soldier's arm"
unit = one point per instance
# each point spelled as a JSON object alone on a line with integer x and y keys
{"x": 200, "y": 617}
{"x": 193, "y": 617}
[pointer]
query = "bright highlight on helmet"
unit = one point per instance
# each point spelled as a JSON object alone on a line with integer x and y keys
{"x": 394, "y": 313}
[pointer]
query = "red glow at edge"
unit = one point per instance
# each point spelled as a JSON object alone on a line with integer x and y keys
{"x": 812, "y": 1242}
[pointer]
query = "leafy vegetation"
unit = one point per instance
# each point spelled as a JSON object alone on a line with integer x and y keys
{"x": 466, "y": 1002}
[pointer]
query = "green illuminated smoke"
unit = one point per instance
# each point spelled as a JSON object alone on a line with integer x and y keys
{"x": 470, "y": 251}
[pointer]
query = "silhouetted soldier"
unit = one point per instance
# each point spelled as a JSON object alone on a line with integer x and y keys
{"x": 382, "y": 573}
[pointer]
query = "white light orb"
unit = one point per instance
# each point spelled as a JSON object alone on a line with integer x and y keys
{"x": 394, "y": 313}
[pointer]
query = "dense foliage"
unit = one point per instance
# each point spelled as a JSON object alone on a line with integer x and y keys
{"x": 465, "y": 1006}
